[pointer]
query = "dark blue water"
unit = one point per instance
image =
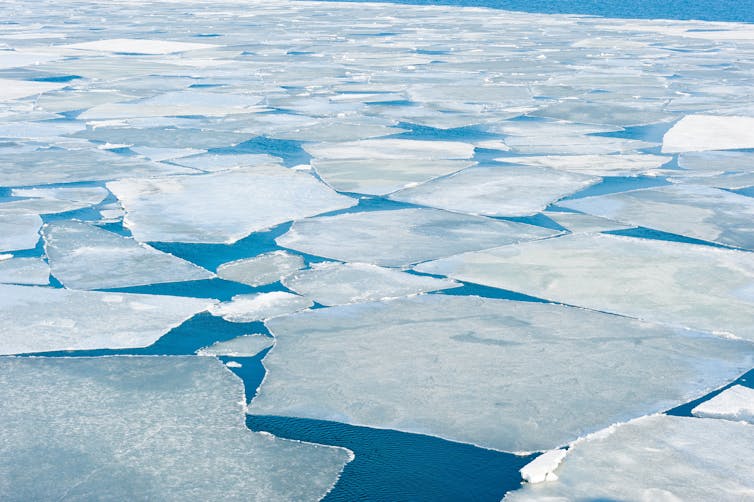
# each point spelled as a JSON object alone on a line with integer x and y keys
{"x": 705, "y": 10}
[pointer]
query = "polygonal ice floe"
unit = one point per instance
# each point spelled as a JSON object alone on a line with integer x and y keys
{"x": 654, "y": 458}
{"x": 338, "y": 283}
{"x": 716, "y": 162}
{"x": 178, "y": 103}
{"x": 16, "y": 59}
{"x": 495, "y": 373}
{"x": 392, "y": 149}
{"x": 694, "y": 133}
{"x": 574, "y": 145}
{"x": 701, "y": 287}
{"x": 45, "y": 319}
{"x": 146, "y": 428}
{"x": 497, "y": 191}
{"x": 19, "y": 231}
{"x": 242, "y": 346}
{"x": 542, "y": 468}
{"x": 260, "y": 270}
{"x": 215, "y": 162}
{"x": 24, "y": 271}
{"x": 139, "y": 46}
{"x": 15, "y": 89}
{"x": 597, "y": 165}
{"x": 402, "y": 237}
{"x": 694, "y": 211}
{"x": 735, "y": 403}
{"x": 50, "y": 130}
{"x": 382, "y": 176}
{"x": 579, "y": 223}
{"x": 258, "y": 306}
{"x": 221, "y": 207}
{"x": 40, "y": 206}
{"x": 610, "y": 114}
{"x": 83, "y": 256}
{"x": 88, "y": 195}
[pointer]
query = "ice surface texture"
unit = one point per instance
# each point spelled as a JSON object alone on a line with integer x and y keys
{"x": 670, "y": 282}
{"x": 262, "y": 269}
{"x": 500, "y": 374}
{"x": 144, "y": 428}
{"x": 735, "y": 403}
{"x": 258, "y": 306}
{"x": 654, "y": 458}
{"x": 19, "y": 231}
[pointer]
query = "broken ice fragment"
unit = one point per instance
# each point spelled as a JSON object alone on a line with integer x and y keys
{"x": 338, "y": 283}
{"x": 541, "y": 468}
{"x": 258, "y": 306}
{"x": 83, "y": 256}
{"x": 596, "y": 165}
{"x": 242, "y": 346}
{"x": 735, "y": 403}
{"x": 145, "y": 428}
{"x": 402, "y": 237}
{"x": 38, "y": 319}
{"x": 495, "y": 373}
{"x": 139, "y": 46}
{"x": 24, "y": 271}
{"x": 88, "y": 195}
{"x": 584, "y": 223}
{"x": 654, "y": 458}
{"x": 19, "y": 231}
{"x": 221, "y": 207}
{"x": 15, "y": 89}
{"x": 694, "y": 133}
{"x": 260, "y": 270}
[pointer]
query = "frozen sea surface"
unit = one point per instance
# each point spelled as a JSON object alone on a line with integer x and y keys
{"x": 372, "y": 214}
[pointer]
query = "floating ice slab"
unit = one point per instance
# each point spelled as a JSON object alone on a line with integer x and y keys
{"x": 402, "y": 237}
{"x": 716, "y": 162}
{"x": 15, "y": 89}
{"x": 382, "y": 176}
{"x": 654, "y": 458}
{"x": 682, "y": 284}
{"x": 139, "y": 46}
{"x": 173, "y": 104}
{"x": 39, "y": 206}
{"x": 14, "y": 59}
{"x": 497, "y": 191}
{"x": 339, "y": 283}
{"x": 242, "y": 346}
{"x": 694, "y": 133}
{"x": 44, "y": 319}
{"x": 392, "y": 149}
{"x": 258, "y": 306}
{"x": 574, "y": 145}
{"x": 578, "y": 223}
{"x": 146, "y": 428}
{"x": 596, "y": 165}
{"x": 88, "y": 195}
{"x": 735, "y": 403}
{"x": 695, "y": 211}
{"x": 541, "y": 468}
{"x": 83, "y": 256}
{"x": 215, "y": 162}
{"x": 260, "y": 270}
{"x": 19, "y": 231}
{"x": 495, "y": 373}
{"x": 221, "y": 207}
{"x": 24, "y": 271}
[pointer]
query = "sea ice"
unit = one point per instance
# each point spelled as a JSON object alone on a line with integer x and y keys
{"x": 375, "y": 149}
{"x": 331, "y": 283}
{"x": 215, "y": 162}
{"x": 179, "y": 103}
{"x": 700, "y": 287}
{"x": 39, "y": 206}
{"x": 596, "y": 165}
{"x": 513, "y": 376}
{"x": 258, "y": 306}
{"x": 242, "y": 346}
{"x": 19, "y": 231}
{"x": 87, "y": 195}
{"x": 658, "y": 457}
{"x": 221, "y": 207}
{"x": 24, "y": 271}
{"x": 694, "y": 133}
{"x": 579, "y": 223}
{"x": 262, "y": 269}
{"x": 402, "y": 237}
{"x": 735, "y": 403}
{"x": 497, "y": 191}
{"x": 16, "y": 89}
{"x": 541, "y": 468}
{"x": 691, "y": 210}
{"x": 83, "y": 256}
{"x": 145, "y": 428}
{"x": 38, "y": 319}
{"x": 139, "y": 46}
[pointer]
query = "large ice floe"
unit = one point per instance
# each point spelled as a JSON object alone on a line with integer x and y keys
{"x": 147, "y": 428}
{"x": 36, "y": 319}
{"x": 221, "y": 207}
{"x": 401, "y": 237}
{"x": 461, "y": 368}
{"x": 83, "y": 256}
{"x": 654, "y": 458}
{"x": 701, "y": 287}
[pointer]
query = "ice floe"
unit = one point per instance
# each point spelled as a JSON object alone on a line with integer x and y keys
{"x": 541, "y": 468}
{"x": 497, "y": 191}
{"x": 514, "y": 376}
{"x": 83, "y": 256}
{"x": 88, "y": 195}
{"x": 683, "y": 284}
{"x": 36, "y": 319}
{"x": 262, "y": 269}
{"x": 735, "y": 403}
{"x": 243, "y": 200}
{"x": 148, "y": 428}
{"x": 654, "y": 458}
{"x": 19, "y": 231}
{"x": 584, "y": 223}
{"x": 401, "y": 237}
{"x": 258, "y": 306}
{"x": 331, "y": 283}
{"x": 242, "y": 346}
{"x": 138, "y": 46}
{"x": 32, "y": 271}
{"x": 695, "y": 211}
{"x": 15, "y": 89}
{"x": 695, "y": 133}
{"x": 596, "y": 165}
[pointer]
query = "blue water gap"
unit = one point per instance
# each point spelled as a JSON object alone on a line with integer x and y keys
{"x": 705, "y": 10}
